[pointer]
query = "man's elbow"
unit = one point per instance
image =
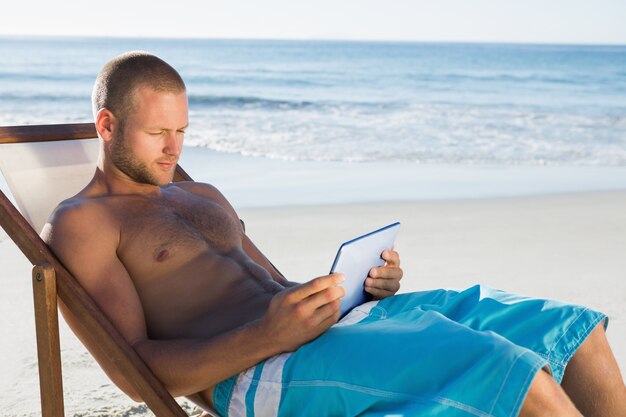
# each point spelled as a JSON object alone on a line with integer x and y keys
{"x": 134, "y": 396}
{"x": 129, "y": 389}
{"x": 126, "y": 387}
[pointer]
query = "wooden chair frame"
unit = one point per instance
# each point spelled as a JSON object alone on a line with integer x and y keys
{"x": 51, "y": 279}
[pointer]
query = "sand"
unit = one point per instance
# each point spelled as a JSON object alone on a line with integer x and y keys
{"x": 570, "y": 247}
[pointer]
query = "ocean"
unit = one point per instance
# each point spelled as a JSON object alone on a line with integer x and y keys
{"x": 416, "y": 103}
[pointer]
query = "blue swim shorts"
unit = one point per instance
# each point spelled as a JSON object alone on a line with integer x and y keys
{"x": 442, "y": 352}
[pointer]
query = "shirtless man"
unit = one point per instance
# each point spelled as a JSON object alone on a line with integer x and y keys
{"x": 172, "y": 268}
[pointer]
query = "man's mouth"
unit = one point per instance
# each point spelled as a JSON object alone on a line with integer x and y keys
{"x": 167, "y": 165}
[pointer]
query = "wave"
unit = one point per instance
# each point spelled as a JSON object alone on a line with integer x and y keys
{"x": 49, "y": 76}
{"x": 511, "y": 78}
{"x": 277, "y": 79}
{"x": 450, "y": 134}
{"x": 252, "y": 102}
{"x": 44, "y": 97}
{"x": 247, "y": 101}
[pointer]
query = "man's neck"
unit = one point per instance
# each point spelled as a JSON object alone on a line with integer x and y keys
{"x": 115, "y": 182}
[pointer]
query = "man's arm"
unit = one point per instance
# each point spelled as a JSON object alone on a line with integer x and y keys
{"x": 258, "y": 257}
{"x": 184, "y": 366}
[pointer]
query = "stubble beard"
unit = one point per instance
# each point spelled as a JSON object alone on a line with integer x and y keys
{"x": 125, "y": 161}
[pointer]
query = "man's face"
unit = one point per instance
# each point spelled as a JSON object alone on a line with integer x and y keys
{"x": 147, "y": 145}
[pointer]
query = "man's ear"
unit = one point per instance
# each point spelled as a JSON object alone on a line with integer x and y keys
{"x": 105, "y": 124}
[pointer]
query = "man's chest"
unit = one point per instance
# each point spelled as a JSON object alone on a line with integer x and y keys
{"x": 167, "y": 234}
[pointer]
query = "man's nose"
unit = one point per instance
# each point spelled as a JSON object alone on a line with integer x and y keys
{"x": 173, "y": 143}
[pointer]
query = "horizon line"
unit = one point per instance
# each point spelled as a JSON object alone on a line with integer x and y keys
{"x": 312, "y": 39}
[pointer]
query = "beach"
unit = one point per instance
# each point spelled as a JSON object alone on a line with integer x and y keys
{"x": 504, "y": 163}
{"x": 564, "y": 246}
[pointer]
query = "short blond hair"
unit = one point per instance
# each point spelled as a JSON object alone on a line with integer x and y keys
{"x": 116, "y": 84}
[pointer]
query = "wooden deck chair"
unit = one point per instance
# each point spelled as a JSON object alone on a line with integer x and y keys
{"x": 43, "y": 165}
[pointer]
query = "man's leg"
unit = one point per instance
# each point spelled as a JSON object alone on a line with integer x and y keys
{"x": 417, "y": 368}
{"x": 546, "y": 398}
{"x": 553, "y": 330}
{"x": 592, "y": 378}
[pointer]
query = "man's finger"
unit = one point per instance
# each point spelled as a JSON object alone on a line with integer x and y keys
{"x": 322, "y": 298}
{"x": 386, "y": 272}
{"x": 378, "y": 293}
{"x": 315, "y": 286}
{"x": 392, "y": 285}
{"x": 313, "y": 318}
{"x": 313, "y": 306}
{"x": 328, "y": 312}
{"x": 391, "y": 257}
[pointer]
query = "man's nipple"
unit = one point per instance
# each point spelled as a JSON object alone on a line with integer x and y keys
{"x": 162, "y": 255}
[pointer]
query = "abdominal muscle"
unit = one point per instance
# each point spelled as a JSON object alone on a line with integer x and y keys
{"x": 205, "y": 296}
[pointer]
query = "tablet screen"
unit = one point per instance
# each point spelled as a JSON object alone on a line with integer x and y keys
{"x": 356, "y": 257}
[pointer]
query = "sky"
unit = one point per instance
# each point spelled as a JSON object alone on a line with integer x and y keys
{"x": 531, "y": 21}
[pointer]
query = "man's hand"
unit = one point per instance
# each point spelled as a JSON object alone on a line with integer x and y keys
{"x": 384, "y": 281}
{"x": 300, "y": 314}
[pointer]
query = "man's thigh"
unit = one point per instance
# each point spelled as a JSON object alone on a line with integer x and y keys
{"x": 552, "y": 329}
{"x": 417, "y": 362}
{"x": 473, "y": 352}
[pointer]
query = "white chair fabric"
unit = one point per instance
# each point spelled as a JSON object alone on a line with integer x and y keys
{"x": 42, "y": 174}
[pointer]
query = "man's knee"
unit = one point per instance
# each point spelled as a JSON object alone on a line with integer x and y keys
{"x": 546, "y": 398}
{"x": 593, "y": 362}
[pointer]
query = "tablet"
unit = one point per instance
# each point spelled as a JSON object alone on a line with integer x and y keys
{"x": 356, "y": 257}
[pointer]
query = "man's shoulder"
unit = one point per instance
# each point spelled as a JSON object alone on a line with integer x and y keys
{"x": 208, "y": 191}
{"x": 78, "y": 205}
{"x": 80, "y": 213}
{"x": 202, "y": 189}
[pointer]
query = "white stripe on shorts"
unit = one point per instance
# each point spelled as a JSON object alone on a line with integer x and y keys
{"x": 269, "y": 388}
